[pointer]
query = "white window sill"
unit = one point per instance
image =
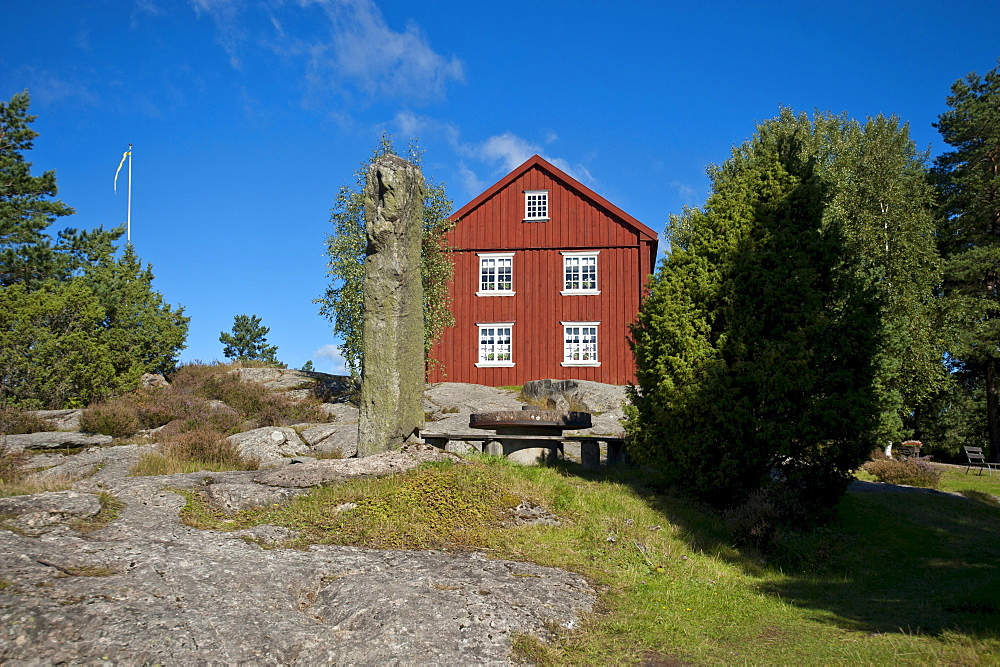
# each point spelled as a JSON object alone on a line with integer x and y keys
{"x": 580, "y": 292}
{"x": 494, "y": 364}
{"x": 536, "y": 219}
{"x": 496, "y": 293}
{"x": 581, "y": 363}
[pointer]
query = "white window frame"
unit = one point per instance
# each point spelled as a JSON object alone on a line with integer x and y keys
{"x": 536, "y": 205}
{"x": 486, "y": 344}
{"x": 495, "y": 257}
{"x": 571, "y": 258}
{"x": 579, "y": 351}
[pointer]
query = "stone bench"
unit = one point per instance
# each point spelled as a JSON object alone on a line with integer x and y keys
{"x": 503, "y": 445}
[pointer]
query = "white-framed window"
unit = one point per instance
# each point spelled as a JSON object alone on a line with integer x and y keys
{"x": 495, "y": 344}
{"x": 536, "y": 204}
{"x": 580, "y": 344}
{"x": 580, "y": 272}
{"x": 496, "y": 274}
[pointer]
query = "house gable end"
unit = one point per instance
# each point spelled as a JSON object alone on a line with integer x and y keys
{"x": 520, "y": 180}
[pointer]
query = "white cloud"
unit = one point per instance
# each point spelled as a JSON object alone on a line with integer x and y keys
{"x": 688, "y": 195}
{"x": 409, "y": 125}
{"x": 470, "y": 181}
{"x": 350, "y": 47}
{"x": 328, "y": 359}
{"x": 507, "y": 151}
{"x": 380, "y": 60}
{"x": 225, "y": 14}
{"x": 49, "y": 88}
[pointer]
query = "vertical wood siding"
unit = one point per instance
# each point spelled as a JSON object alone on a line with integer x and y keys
{"x": 537, "y": 308}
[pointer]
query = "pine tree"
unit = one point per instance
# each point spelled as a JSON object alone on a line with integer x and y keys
{"x": 27, "y": 204}
{"x": 968, "y": 180}
{"x": 78, "y": 323}
{"x": 143, "y": 333}
{"x": 248, "y": 341}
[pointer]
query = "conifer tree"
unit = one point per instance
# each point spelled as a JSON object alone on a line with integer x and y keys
{"x": 27, "y": 204}
{"x": 248, "y": 341}
{"x": 76, "y": 321}
{"x": 968, "y": 180}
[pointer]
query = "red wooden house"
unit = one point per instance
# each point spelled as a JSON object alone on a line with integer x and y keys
{"x": 548, "y": 276}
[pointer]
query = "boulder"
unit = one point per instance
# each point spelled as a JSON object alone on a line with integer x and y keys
{"x": 153, "y": 380}
{"x": 299, "y": 385}
{"x": 275, "y": 379}
{"x": 332, "y": 438}
{"x": 461, "y": 398}
{"x": 54, "y": 440}
{"x": 269, "y": 445}
{"x": 577, "y": 394}
{"x": 61, "y": 420}
{"x": 318, "y": 473}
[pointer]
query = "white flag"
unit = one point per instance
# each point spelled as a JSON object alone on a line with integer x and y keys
{"x": 124, "y": 157}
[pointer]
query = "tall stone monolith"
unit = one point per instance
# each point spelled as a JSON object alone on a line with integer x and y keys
{"x": 392, "y": 377}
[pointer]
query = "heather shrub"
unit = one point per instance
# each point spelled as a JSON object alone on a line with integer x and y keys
{"x": 117, "y": 418}
{"x": 258, "y": 404}
{"x": 910, "y": 472}
{"x": 14, "y": 421}
{"x": 189, "y": 378}
{"x": 158, "y": 406}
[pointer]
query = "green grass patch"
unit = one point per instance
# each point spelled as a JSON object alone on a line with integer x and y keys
{"x": 897, "y": 578}
{"x": 110, "y": 507}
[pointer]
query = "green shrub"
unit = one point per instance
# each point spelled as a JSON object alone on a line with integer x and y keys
{"x": 907, "y": 471}
{"x": 117, "y": 418}
{"x": 14, "y": 421}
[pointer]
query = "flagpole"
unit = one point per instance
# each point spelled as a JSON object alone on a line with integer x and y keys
{"x": 128, "y": 219}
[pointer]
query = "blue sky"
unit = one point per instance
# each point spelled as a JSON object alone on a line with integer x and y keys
{"x": 247, "y": 116}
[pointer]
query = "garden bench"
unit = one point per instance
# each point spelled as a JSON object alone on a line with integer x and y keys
{"x": 976, "y": 458}
{"x": 590, "y": 453}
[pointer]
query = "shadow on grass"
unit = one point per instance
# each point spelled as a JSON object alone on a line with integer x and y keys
{"x": 918, "y": 562}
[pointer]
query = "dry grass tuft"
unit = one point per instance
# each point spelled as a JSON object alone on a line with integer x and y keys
{"x": 12, "y": 464}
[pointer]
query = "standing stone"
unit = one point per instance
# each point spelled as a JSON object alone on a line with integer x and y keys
{"x": 392, "y": 377}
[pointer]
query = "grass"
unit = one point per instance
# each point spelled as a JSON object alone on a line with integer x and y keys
{"x": 26, "y": 487}
{"x": 898, "y": 578}
{"x": 110, "y": 507}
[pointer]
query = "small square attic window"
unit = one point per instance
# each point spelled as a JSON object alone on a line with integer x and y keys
{"x": 536, "y": 204}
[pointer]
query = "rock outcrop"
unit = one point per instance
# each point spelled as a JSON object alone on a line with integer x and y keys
{"x": 145, "y": 588}
{"x": 148, "y": 589}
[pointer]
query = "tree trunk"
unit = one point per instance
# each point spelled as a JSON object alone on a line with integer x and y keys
{"x": 993, "y": 409}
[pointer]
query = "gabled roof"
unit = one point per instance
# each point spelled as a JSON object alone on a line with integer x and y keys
{"x": 567, "y": 180}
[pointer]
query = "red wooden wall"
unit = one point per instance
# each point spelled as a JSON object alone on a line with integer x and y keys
{"x": 579, "y": 220}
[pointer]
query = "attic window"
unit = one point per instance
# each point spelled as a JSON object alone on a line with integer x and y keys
{"x": 536, "y": 205}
